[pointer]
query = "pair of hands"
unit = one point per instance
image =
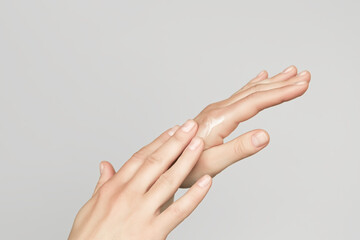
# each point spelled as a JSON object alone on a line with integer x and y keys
{"x": 137, "y": 201}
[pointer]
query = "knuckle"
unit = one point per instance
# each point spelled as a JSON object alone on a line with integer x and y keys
{"x": 135, "y": 160}
{"x": 255, "y": 88}
{"x": 105, "y": 191}
{"x": 240, "y": 147}
{"x": 253, "y": 100}
{"x": 178, "y": 210}
{"x": 211, "y": 106}
{"x": 167, "y": 180}
{"x": 212, "y": 116}
{"x": 139, "y": 154}
{"x": 154, "y": 159}
{"x": 207, "y": 167}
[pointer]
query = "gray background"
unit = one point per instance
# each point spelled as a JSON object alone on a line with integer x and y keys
{"x": 85, "y": 81}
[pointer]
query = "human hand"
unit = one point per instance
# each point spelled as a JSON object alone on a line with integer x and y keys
{"x": 127, "y": 204}
{"x": 219, "y": 119}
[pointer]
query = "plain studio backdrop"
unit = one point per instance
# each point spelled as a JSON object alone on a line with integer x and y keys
{"x": 85, "y": 81}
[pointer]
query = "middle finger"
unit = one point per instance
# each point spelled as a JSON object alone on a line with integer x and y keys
{"x": 160, "y": 160}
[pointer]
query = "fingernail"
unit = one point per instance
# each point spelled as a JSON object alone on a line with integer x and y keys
{"x": 204, "y": 181}
{"x": 259, "y": 139}
{"x": 195, "y": 143}
{"x": 172, "y": 131}
{"x": 300, "y": 83}
{"x": 302, "y": 73}
{"x": 261, "y": 73}
{"x": 288, "y": 69}
{"x": 101, "y": 168}
{"x": 188, "y": 125}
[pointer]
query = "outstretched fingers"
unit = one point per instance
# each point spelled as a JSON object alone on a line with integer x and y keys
{"x": 284, "y": 75}
{"x": 260, "y": 77}
{"x": 262, "y": 86}
{"x": 288, "y": 73}
{"x": 263, "y": 82}
{"x": 250, "y": 105}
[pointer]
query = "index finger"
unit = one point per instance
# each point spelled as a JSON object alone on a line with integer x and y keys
{"x": 160, "y": 160}
{"x": 127, "y": 171}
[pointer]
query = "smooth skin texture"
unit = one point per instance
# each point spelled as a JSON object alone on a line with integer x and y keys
{"x": 137, "y": 201}
{"x": 258, "y": 94}
{"x": 127, "y": 204}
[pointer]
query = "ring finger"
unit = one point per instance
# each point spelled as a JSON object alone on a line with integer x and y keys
{"x": 169, "y": 182}
{"x": 160, "y": 160}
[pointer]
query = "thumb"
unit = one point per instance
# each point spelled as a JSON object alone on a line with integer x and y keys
{"x": 106, "y": 172}
{"x": 216, "y": 159}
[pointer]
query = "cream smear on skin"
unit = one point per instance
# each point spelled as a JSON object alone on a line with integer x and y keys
{"x": 209, "y": 126}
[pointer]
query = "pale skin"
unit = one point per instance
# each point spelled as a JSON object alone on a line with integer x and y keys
{"x": 126, "y": 204}
{"x": 137, "y": 201}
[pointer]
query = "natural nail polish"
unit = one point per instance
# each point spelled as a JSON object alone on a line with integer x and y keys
{"x": 172, "y": 131}
{"x": 300, "y": 83}
{"x": 195, "y": 143}
{"x": 259, "y": 139}
{"x": 188, "y": 125}
{"x": 302, "y": 73}
{"x": 288, "y": 69}
{"x": 261, "y": 73}
{"x": 204, "y": 181}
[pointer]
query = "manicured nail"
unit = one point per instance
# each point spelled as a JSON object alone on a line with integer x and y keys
{"x": 289, "y": 69}
{"x": 195, "y": 143}
{"x": 259, "y": 139}
{"x": 301, "y": 83}
{"x": 302, "y": 73}
{"x": 101, "y": 168}
{"x": 261, "y": 73}
{"x": 188, "y": 125}
{"x": 172, "y": 131}
{"x": 204, "y": 181}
